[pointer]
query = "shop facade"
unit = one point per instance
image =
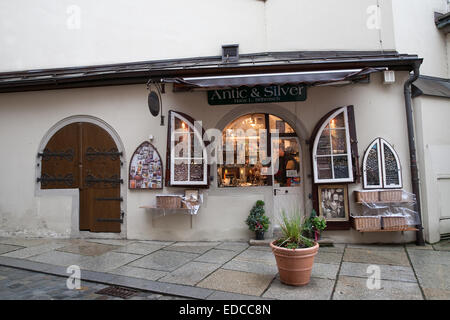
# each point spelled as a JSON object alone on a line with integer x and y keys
{"x": 85, "y": 156}
{"x": 71, "y": 118}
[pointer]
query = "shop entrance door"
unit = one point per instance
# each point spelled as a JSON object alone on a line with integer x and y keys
{"x": 287, "y": 190}
{"x": 83, "y": 155}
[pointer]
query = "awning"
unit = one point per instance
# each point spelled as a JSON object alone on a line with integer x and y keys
{"x": 313, "y": 78}
{"x": 431, "y": 86}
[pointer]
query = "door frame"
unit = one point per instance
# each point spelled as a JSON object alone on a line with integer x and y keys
{"x": 74, "y": 193}
{"x": 301, "y": 187}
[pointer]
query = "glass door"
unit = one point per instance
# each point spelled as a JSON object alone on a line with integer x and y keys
{"x": 286, "y": 175}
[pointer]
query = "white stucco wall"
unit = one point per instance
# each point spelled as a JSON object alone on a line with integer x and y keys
{"x": 416, "y": 32}
{"x": 433, "y": 142}
{"x": 26, "y": 117}
{"x": 85, "y": 32}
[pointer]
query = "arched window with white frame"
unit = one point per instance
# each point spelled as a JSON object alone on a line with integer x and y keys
{"x": 187, "y": 159}
{"x": 332, "y": 150}
{"x": 381, "y": 166}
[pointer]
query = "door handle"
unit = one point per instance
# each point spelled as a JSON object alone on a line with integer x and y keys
{"x": 275, "y": 191}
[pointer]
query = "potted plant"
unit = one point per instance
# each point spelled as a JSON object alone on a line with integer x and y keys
{"x": 313, "y": 226}
{"x": 295, "y": 250}
{"x": 257, "y": 221}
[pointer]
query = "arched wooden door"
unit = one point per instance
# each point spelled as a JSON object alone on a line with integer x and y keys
{"x": 83, "y": 155}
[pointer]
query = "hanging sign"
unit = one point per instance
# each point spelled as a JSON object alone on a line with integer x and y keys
{"x": 257, "y": 94}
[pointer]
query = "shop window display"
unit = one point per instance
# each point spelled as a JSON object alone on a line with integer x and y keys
{"x": 247, "y": 157}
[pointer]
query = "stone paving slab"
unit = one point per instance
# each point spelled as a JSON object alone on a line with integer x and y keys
{"x": 164, "y": 260}
{"x": 142, "y": 273}
{"x": 237, "y": 282}
{"x": 252, "y": 255}
{"x": 24, "y": 242}
{"x": 373, "y": 256}
{"x": 268, "y": 269}
{"x": 223, "y": 295}
{"x": 413, "y": 246}
{"x": 233, "y": 246}
{"x": 140, "y": 248}
{"x": 317, "y": 289}
{"x": 156, "y": 242}
{"x": 34, "y": 250}
{"x": 325, "y": 270}
{"x": 337, "y": 248}
{"x": 352, "y": 288}
{"x": 60, "y": 258}
{"x": 113, "y": 242}
{"x": 442, "y": 246}
{"x": 377, "y": 247}
{"x": 217, "y": 256}
{"x": 260, "y": 248}
{"x": 86, "y": 248}
{"x": 436, "y": 294}
{"x": 394, "y": 273}
{"x": 328, "y": 257}
{"x": 191, "y": 273}
{"x": 192, "y": 247}
{"x": 424, "y": 257}
{"x": 108, "y": 261}
{"x": 5, "y": 248}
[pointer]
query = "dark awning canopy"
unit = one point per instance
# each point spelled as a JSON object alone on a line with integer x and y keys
{"x": 431, "y": 86}
{"x": 306, "y": 78}
{"x": 283, "y": 67}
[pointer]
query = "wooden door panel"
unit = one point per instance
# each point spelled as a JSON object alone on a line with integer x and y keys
{"x": 101, "y": 179}
{"x": 105, "y": 208}
{"x": 60, "y": 159}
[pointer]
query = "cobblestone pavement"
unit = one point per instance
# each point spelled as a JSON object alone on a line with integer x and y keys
{"x": 16, "y": 284}
{"x": 223, "y": 270}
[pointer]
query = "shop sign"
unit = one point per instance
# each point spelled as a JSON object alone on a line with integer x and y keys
{"x": 257, "y": 94}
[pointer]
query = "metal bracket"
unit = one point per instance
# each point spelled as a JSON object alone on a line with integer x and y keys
{"x": 113, "y": 180}
{"x": 47, "y": 154}
{"x": 45, "y": 179}
{"x": 92, "y": 153}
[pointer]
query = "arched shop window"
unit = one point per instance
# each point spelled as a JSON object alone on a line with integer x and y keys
{"x": 186, "y": 154}
{"x": 332, "y": 149}
{"x": 381, "y": 166}
{"x": 246, "y": 167}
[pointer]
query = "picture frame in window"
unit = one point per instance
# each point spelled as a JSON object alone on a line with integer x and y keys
{"x": 145, "y": 168}
{"x": 333, "y": 202}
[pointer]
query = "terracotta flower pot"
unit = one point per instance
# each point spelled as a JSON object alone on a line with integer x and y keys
{"x": 295, "y": 265}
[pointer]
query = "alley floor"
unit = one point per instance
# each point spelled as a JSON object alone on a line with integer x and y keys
{"x": 225, "y": 270}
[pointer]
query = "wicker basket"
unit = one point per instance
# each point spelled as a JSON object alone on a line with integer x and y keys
{"x": 168, "y": 202}
{"x": 391, "y": 196}
{"x": 366, "y": 196}
{"x": 366, "y": 223}
{"x": 394, "y": 223}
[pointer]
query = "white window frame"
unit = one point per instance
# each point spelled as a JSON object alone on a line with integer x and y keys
{"x": 188, "y": 182}
{"x": 380, "y": 174}
{"x": 331, "y": 155}
{"x": 381, "y": 143}
{"x": 399, "y": 170}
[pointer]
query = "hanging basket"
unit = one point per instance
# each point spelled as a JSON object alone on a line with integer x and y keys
{"x": 366, "y": 223}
